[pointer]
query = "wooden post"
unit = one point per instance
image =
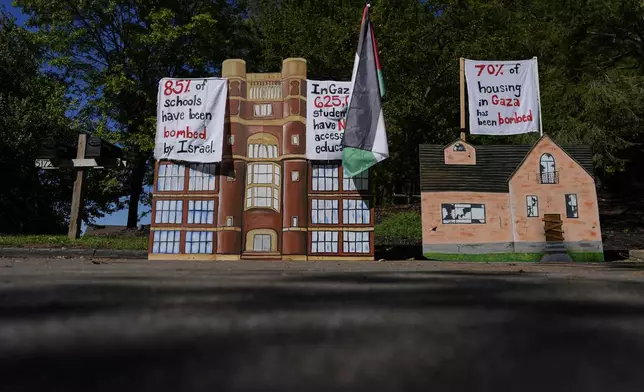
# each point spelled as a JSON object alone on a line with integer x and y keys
{"x": 77, "y": 196}
{"x": 462, "y": 72}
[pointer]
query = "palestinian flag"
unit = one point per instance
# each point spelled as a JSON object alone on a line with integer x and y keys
{"x": 365, "y": 138}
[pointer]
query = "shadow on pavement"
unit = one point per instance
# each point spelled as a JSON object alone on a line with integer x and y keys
{"x": 371, "y": 331}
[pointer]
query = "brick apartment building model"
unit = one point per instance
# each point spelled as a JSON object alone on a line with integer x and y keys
{"x": 265, "y": 200}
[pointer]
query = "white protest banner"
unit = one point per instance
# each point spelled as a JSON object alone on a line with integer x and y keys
{"x": 503, "y": 97}
{"x": 190, "y": 119}
{"x": 326, "y": 103}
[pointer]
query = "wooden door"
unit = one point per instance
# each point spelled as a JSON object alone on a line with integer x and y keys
{"x": 553, "y": 227}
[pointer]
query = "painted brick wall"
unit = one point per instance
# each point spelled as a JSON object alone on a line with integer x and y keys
{"x": 497, "y": 213}
{"x": 572, "y": 179}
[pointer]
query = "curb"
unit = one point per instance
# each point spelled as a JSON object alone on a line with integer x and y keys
{"x": 58, "y": 252}
{"x": 636, "y": 254}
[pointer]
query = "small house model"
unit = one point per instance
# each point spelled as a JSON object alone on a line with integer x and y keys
{"x": 509, "y": 202}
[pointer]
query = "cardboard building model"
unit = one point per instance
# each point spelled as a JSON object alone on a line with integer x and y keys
{"x": 508, "y": 202}
{"x": 265, "y": 200}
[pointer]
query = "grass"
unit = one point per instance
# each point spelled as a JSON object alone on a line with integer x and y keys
{"x": 587, "y": 257}
{"x": 61, "y": 241}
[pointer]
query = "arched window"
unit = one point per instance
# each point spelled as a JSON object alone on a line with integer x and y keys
{"x": 547, "y": 169}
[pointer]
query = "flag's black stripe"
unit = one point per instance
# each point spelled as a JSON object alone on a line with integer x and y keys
{"x": 364, "y": 108}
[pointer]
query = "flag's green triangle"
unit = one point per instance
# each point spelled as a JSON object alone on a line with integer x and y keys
{"x": 355, "y": 161}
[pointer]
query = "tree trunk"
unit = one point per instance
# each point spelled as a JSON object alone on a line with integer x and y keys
{"x": 136, "y": 188}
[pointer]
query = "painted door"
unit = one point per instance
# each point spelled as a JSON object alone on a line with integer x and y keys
{"x": 553, "y": 227}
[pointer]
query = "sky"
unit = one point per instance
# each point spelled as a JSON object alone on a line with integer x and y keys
{"x": 120, "y": 217}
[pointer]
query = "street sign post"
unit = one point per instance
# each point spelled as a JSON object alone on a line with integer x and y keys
{"x": 90, "y": 153}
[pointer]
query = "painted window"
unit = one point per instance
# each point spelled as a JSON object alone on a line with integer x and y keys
{"x": 295, "y": 140}
{"x": 459, "y": 147}
{"x": 263, "y": 186}
{"x": 355, "y": 212}
{"x": 325, "y": 177}
{"x": 201, "y": 212}
{"x": 263, "y": 110}
{"x": 199, "y": 242}
{"x": 357, "y": 183}
{"x": 263, "y": 179}
{"x": 168, "y": 211}
{"x": 202, "y": 177}
{"x": 324, "y": 212}
{"x": 294, "y": 221}
{"x": 166, "y": 241}
{"x": 262, "y": 243}
{"x": 532, "y": 203}
{"x": 295, "y": 176}
{"x": 463, "y": 213}
{"x": 229, "y": 221}
{"x": 324, "y": 242}
{"x": 262, "y": 151}
{"x": 572, "y": 209}
{"x": 355, "y": 242}
{"x": 264, "y": 173}
{"x": 547, "y": 169}
{"x": 264, "y": 90}
{"x": 231, "y": 139}
{"x": 170, "y": 177}
{"x": 261, "y": 240}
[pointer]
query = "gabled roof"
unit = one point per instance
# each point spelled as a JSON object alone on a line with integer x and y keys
{"x": 495, "y": 164}
{"x": 544, "y": 136}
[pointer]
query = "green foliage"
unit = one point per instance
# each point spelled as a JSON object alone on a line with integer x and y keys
{"x": 115, "y": 52}
{"x": 112, "y": 54}
{"x": 405, "y": 226}
{"x": 33, "y": 105}
{"x": 590, "y": 62}
{"x": 60, "y": 241}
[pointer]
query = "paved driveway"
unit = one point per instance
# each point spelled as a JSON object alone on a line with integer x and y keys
{"x": 73, "y": 325}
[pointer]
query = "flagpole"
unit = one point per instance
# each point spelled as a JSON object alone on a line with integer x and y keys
{"x": 536, "y": 76}
{"x": 462, "y": 80}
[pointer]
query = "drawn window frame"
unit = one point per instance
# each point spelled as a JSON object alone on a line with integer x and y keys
{"x": 325, "y": 208}
{"x": 572, "y": 211}
{"x": 170, "y": 178}
{"x": 532, "y": 211}
{"x": 450, "y": 207}
{"x": 325, "y": 177}
{"x": 547, "y": 169}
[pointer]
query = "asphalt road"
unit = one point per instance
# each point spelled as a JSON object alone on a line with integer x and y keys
{"x": 73, "y": 325}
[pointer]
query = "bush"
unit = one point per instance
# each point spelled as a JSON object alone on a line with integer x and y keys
{"x": 400, "y": 228}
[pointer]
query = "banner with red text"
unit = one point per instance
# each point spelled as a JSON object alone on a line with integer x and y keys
{"x": 326, "y": 107}
{"x": 190, "y": 119}
{"x": 503, "y": 97}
